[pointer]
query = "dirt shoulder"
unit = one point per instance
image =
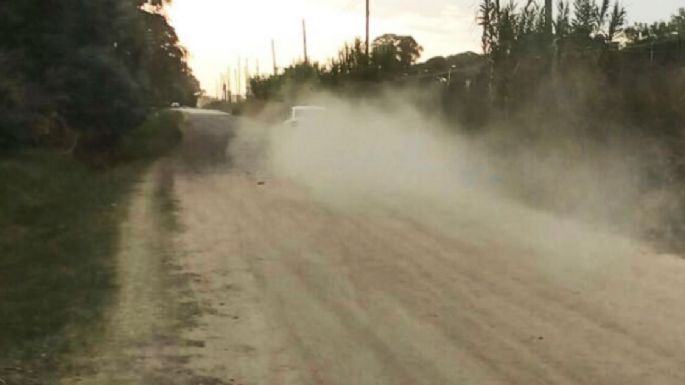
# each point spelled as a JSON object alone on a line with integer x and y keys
{"x": 142, "y": 337}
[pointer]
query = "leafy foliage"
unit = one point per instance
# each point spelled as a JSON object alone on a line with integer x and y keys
{"x": 517, "y": 43}
{"x": 391, "y": 56}
{"x": 663, "y": 30}
{"x": 92, "y": 66}
{"x": 395, "y": 53}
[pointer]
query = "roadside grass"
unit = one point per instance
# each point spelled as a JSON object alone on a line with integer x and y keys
{"x": 59, "y": 231}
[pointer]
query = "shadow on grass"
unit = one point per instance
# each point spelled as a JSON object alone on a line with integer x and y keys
{"x": 59, "y": 231}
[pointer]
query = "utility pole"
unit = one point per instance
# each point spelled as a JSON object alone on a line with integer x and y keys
{"x": 236, "y": 79}
{"x": 304, "y": 40}
{"x": 238, "y": 76}
{"x": 247, "y": 78}
{"x": 368, "y": 15}
{"x": 548, "y": 18}
{"x": 273, "y": 56}
{"x": 229, "y": 94}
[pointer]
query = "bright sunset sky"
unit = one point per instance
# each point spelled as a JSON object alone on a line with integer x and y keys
{"x": 219, "y": 32}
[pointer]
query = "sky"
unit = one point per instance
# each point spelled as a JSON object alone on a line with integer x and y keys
{"x": 219, "y": 34}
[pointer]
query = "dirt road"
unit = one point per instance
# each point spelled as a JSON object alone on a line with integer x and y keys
{"x": 291, "y": 290}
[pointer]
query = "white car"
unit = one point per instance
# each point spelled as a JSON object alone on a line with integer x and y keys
{"x": 304, "y": 114}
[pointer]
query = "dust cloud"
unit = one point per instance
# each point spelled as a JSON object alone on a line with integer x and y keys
{"x": 558, "y": 203}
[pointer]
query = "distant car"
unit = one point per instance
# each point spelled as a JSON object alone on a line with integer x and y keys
{"x": 304, "y": 114}
{"x": 175, "y": 105}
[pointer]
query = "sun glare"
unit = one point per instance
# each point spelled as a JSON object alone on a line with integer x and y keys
{"x": 220, "y": 34}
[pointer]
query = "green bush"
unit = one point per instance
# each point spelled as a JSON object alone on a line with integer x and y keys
{"x": 159, "y": 134}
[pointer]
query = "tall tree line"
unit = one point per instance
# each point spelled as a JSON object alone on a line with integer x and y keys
{"x": 593, "y": 86}
{"x": 86, "y": 69}
{"x": 390, "y": 56}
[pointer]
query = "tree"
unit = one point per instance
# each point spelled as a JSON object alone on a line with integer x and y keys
{"x": 592, "y": 20}
{"x": 585, "y": 17}
{"x": 678, "y": 21}
{"x": 436, "y": 64}
{"x": 95, "y": 66}
{"x": 395, "y": 52}
{"x": 563, "y": 23}
{"x": 662, "y": 30}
